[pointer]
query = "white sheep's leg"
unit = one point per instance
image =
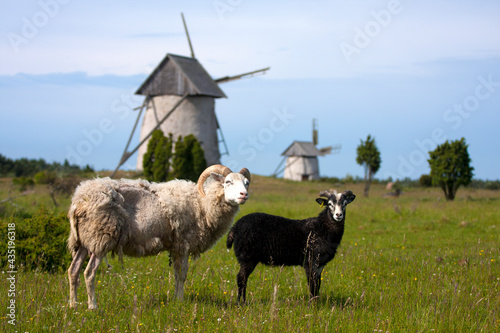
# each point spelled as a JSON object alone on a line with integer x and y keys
{"x": 74, "y": 274}
{"x": 89, "y": 274}
{"x": 108, "y": 266}
{"x": 181, "y": 269}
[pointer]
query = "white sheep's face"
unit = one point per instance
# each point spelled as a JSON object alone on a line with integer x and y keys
{"x": 337, "y": 203}
{"x": 235, "y": 187}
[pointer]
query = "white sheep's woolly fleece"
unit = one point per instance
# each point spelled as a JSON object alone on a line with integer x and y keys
{"x": 139, "y": 218}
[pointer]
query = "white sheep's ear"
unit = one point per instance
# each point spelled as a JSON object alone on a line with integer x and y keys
{"x": 217, "y": 177}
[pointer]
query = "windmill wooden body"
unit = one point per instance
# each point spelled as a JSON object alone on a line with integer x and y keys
{"x": 180, "y": 99}
{"x": 174, "y": 77}
{"x": 302, "y": 161}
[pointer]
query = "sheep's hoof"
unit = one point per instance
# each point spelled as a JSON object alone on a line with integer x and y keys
{"x": 92, "y": 306}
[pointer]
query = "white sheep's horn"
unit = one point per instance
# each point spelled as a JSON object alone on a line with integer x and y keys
{"x": 325, "y": 194}
{"x": 245, "y": 172}
{"x": 217, "y": 168}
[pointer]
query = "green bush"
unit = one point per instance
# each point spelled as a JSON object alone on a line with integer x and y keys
{"x": 189, "y": 159}
{"x": 425, "y": 181}
{"x": 23, "y": 182}
{"x": 45, "y": 177}
{"x": 492, "y": 185}
{"x": 156, "y": 160}
{"x": 333, "y": 180}
{"x": 40, "y": 241}
{"x": 349, "y": 179}
{"x": 162, "y": 163}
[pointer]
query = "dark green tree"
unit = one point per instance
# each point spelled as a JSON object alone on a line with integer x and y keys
{"x": 189, "y": 159}
{"x": 450, "y": 167}
{"x": 368, "y": 156}
{"x": 156, "y": 160}
{"x": 6, "y": 165}
{"x": 24, "y": 167}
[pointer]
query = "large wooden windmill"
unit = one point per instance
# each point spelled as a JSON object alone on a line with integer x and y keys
{"x": 180, "y": 99}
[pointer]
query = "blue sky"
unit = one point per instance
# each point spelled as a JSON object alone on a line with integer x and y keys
{"x": 410, "y": 73}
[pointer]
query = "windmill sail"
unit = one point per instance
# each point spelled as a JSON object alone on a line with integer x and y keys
{"x": 187, "y": 34}
{"x": 240, "y": 76}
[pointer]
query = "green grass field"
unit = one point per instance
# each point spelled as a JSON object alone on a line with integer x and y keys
{"x": 416, "y": 263}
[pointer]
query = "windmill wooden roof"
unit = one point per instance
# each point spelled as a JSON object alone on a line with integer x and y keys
{"x": 301, "y": 148}
{"x": 176, "y": 75}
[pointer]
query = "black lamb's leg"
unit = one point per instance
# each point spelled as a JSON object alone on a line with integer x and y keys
{"x": 316, "y": 283}
{"x": 313, "y": 273}
{"x": 245, "y": 270}
{"x": 309, "y": 275}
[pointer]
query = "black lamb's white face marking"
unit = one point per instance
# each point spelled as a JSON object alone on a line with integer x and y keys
{"x": 337, "y": 203}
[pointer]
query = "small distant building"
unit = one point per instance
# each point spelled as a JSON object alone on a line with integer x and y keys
{"x": 302, "y": 161}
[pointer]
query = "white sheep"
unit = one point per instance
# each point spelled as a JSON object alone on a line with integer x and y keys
{"x": 138, "y": 218}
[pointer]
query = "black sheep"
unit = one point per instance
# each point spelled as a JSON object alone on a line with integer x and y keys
{"x": 275, "y": 240}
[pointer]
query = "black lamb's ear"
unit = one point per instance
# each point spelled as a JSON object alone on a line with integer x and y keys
{"x": 349, "y": 196}
{"x": 322, "y": 202}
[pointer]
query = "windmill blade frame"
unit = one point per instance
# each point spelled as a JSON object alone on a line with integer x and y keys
{"x": 187, "y": 34}
{"x": 241, "y": 76}
{"x": 127, "y": 154}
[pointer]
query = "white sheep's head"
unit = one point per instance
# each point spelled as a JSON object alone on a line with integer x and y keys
{"x": 336, "y": 202}
{"x": 235, "y": 183}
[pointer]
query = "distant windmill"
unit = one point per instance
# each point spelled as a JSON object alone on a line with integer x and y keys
{"x": 180, "y": 99}
{"x": 302, "y": 158}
